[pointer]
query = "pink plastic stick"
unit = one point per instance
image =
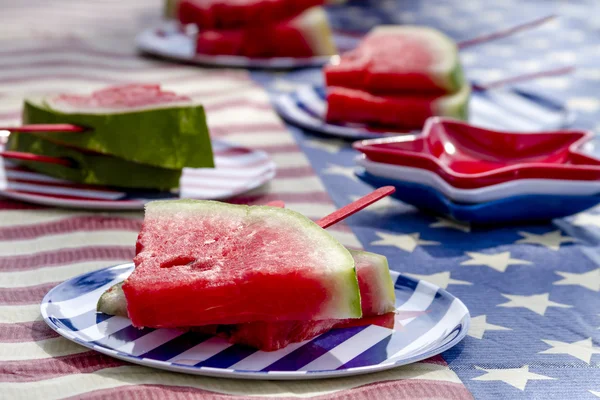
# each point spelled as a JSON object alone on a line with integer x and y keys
{"x": 505, "y": 32}
{"x": 523, "y": 78}
{"x": 276, "y": 203}
{"x": 355, "y": 206}
{"x": 44, "y": 128}
{"x": 17, "y": 155}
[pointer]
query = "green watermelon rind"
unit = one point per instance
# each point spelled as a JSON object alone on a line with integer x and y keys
{"x": 314, "y": 26}
{"x": 455, "y": 105}
{"x": 164, "y": 136}
{"x": 113, "y": 301}
{"x": 384, "y": 281}
{"x": 452, "y": 78}
{"x": 345, "y": 302}
{"x": 170, "y": 9}
{"x": 93, "y": 169}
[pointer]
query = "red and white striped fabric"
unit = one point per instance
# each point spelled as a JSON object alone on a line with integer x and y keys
{"x": 48, "y": 50}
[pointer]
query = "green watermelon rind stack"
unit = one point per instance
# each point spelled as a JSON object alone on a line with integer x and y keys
{"x": 163, "y": 135}
{"x": 454, "y": 105}
{"x": 93, "y": 168}
{"x": 380, "y": 281}
{"x": 151, "y": 285}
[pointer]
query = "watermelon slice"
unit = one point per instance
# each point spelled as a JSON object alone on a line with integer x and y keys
{"x": 394, "y": 59}
{"x": 402, "y": 111}
{"x": 223, "y": 14}
{"x": 206, "y": 262}
{"x": 377, "y": 302}
{"x": 139, "y": 123}
{"x": 305, "y": 35}
{"x": 93, "y": 168}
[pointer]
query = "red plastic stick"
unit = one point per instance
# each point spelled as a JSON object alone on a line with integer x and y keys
{"x": 355, "y": 206}
{"x": 523, "y": 78}
{"x": 276, "y": 203}
{"x": 44, "y": 128}
{"x": 17, "y": 155}
{"x": 505, "y": 32}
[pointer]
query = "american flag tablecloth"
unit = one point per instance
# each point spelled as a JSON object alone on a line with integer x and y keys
{"x": 533, "y": 291}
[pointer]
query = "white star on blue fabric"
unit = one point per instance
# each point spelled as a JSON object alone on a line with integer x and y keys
{"x": 499, "y": 262}
{"x": 334, "y": 169}
{"x": 515, "y": 377}
{"x": 441, "y": 279}
{"x": 332, "y": 146}
{"x": 582, "y": 350}
{"x": 551, "y": 240}
{"x": 589, "y": 280}
{"x": 538, "y": 303}
{"x": 407, "y": 242}
{"x": 479, "y": 326}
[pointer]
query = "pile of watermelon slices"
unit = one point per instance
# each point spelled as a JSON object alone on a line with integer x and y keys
{"x": 397, "y": 77}
{"x": 136, "y": 136}
{"x": 255, "y": 275}
{"x": 257, "y": 28}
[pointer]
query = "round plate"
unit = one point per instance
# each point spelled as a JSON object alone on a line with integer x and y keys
{"x": 169, "y": 41}
{"x": 500, "y": 109}
{"x": 441, "y": 321}
{"x": 238, "y": 170}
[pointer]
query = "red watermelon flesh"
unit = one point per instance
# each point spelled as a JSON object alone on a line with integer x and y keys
{"x": 205, "y": 262}
{"x": 377, "y": 302}
{"x": 235, "y": 14}
{"x": 403, "y": 111}
{"x": 121, "y": 97}
{"x": 399, "y": 59}
{"x": 305, "y": 35}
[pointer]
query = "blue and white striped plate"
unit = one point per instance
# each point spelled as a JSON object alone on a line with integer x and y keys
{"x": 237, "y": 171}
{"x": 500, "y": 109}
{"x": 70, "y": 309}
{"x": 168, "y": 41}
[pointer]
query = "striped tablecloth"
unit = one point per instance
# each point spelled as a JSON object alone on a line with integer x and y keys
{"x": 84, "y": 45}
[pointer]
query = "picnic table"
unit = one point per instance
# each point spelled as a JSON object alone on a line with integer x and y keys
{"x": 533, "y": 290}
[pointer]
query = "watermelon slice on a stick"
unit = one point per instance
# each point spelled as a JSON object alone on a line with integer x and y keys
{"x": 305, "y": 35}
{"x": 393, "y": 59}
{"x": 377, "y": 303}
{"x": 86, "y": 167}
{"x": 202, "y": 262}
{"x": 219, "y": 14}
{"x": 407, "y": 111}
{"x": 375, "y": 285}
{"x": 138, "y": 123}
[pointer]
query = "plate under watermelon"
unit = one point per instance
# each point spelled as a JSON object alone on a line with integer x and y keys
{"x": 500, "y": 109}
{"x": 237, "y": 170}
{"x": 70, "y": 309}
{"x": 168, "y": 41}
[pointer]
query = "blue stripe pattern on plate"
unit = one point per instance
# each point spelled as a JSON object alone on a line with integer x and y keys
{"x": 500, "y": 109}
{"x": 437, "y": 322}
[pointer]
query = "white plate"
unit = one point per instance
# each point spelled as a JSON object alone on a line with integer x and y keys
{"x": 237, "y": 170}
{"x": 480, "y": 195}
{"x": 168, "y": 41}
{"x": 441, "y": 322}
{"x": 499, "y": 109}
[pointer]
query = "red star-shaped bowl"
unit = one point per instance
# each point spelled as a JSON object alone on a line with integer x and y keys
{"x": 470, "y": 157}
